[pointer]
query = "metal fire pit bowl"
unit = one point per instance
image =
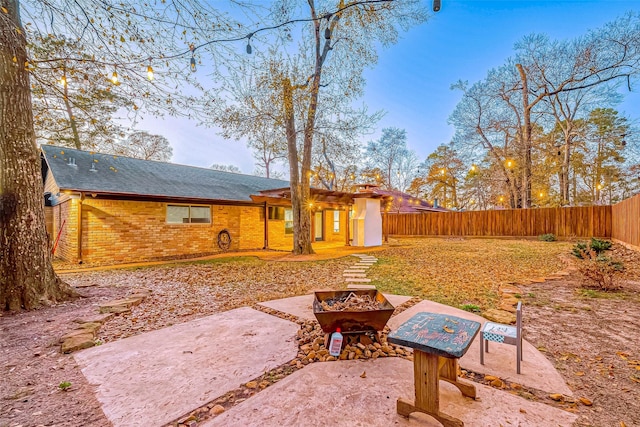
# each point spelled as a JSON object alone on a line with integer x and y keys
{"x": 352, "y": 322}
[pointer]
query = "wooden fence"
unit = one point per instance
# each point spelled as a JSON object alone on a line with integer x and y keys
{"x": 584, "y": 221}
{"x": 626, "y": 221}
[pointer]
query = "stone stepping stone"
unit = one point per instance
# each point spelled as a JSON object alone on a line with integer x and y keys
{"x": 345, "y": 274}
{"x": 355, "y": 271}
{"x": 120, "y": 305}
{"x": 357, "y": 279}
{"x": 356, "y": 286}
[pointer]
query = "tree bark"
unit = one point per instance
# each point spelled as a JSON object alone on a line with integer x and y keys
{"x": 27, "y": 279}
{"x": 299, "y": 185}
{"x": 526, "y": 139}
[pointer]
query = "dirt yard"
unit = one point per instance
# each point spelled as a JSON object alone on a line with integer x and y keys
{"x": 591, "y": 337}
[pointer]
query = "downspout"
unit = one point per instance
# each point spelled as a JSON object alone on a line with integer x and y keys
{"x": 266, "y": 226}
{"x": 80, "y": 228}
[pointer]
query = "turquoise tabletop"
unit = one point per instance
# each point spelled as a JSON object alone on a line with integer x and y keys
{"x": 440, "y": 334}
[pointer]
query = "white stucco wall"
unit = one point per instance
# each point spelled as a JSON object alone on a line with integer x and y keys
{"x": 367, "y": 223}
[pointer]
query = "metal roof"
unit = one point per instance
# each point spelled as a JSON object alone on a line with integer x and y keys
{"x": 90, "y": 172}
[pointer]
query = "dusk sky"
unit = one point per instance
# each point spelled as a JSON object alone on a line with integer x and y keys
{"x": 412, "y": 79}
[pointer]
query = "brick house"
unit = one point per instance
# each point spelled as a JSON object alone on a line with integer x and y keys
{"x": 106, "y": 208}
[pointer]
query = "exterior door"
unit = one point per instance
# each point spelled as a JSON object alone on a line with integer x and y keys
{"x": 318, "y": 227}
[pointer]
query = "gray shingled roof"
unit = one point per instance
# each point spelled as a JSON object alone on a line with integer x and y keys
{"x": 125, "y": 175}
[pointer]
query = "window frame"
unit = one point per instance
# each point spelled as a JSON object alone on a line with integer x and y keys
{"x": 288, "y": 223}
{"x": 190, "y": 222}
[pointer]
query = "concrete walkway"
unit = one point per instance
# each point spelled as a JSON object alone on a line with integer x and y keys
{"x": 154, "y": 378}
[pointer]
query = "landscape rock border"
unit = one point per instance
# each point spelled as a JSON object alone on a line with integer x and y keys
{"x": 84, "y": 335}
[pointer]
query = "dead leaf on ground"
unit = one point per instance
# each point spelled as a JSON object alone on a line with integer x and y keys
{"x": 556, "y": 396}
{"x": 363, "y": 374}
{"x": 586, "y": 401}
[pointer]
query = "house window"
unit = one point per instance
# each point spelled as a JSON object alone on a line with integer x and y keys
{"x": 336, "y": 221}
{"x": 288, "y": 221}
{"x": 276, "y": 212}
{"x": 180, "y": 214}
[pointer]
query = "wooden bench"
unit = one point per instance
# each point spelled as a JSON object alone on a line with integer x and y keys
{"x": 438, "y": 340}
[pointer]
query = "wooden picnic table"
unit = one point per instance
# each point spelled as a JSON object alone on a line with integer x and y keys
{"x": 438, "y": 340}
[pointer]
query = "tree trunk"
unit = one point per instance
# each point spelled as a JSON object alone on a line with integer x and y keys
{"x": 299, "y": 191}
{"x": 27, "y": 278}
{"x": 526, "y": 139}
{"x": 72, "y": 119}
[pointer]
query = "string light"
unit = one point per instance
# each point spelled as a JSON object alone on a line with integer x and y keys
{"x": 473, "y": 168}
{"x": 63, "y": 81}
{"x": 249, "y": 43}
{"x": 327, "y": 31}
{"x": 192, "y": 62}
{"x": 192, "y": 47}
{"x": 150, "y": 73}
{"x": 114, "y": 78}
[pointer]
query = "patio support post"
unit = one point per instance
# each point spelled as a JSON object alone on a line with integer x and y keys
{"x": 80, "y": 200}
{"x": 347, "y": 229}
{"x": 266, "y": 226}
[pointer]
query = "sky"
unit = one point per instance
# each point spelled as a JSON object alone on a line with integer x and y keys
{"x": 411, "y": 81}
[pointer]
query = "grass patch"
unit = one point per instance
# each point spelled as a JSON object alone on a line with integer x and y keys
{"x": 593, "y": 293}
{"x": 457, "y": 273}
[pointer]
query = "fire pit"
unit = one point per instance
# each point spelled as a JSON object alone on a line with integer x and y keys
{"x": 353, "y": 311}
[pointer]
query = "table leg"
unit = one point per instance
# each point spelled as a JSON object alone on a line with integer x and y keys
{"x": 426, "y": 369}
{"x": 449, "y": 373}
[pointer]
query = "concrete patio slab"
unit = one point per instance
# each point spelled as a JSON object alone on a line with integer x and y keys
{"x": 302, "y": 306}
{"x": 153, "y": 378}
{"x": 336, "y": 394}
{"x": 537, "y": 371}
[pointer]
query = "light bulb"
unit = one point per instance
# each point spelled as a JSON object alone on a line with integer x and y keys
{"x": 150, "y": 73}
{"x": 193, "y": 64}
{"x": 114, "y": 78}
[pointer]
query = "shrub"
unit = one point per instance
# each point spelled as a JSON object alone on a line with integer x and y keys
{"x": 600, "y": 271}
{"x": 549, "y": 237}
{"x": 596, "y": 245}
{"x": 600, "y": 245}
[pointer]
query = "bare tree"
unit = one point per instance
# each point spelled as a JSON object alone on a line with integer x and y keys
{"x": 333, "y": 47}
{"x": 225, "y": 168}
{"x": 146, "y": 146}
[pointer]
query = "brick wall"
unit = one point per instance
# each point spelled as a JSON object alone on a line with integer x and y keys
{"x": 126, "y": 231}
{"x": 65, "y": 215}
{"x": 329, "y": 235}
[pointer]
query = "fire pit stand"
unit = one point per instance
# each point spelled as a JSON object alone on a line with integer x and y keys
{"x": 365, "y": 321}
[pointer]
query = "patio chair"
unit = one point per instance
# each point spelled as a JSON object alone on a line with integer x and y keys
{"x": 506, "y": 334}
